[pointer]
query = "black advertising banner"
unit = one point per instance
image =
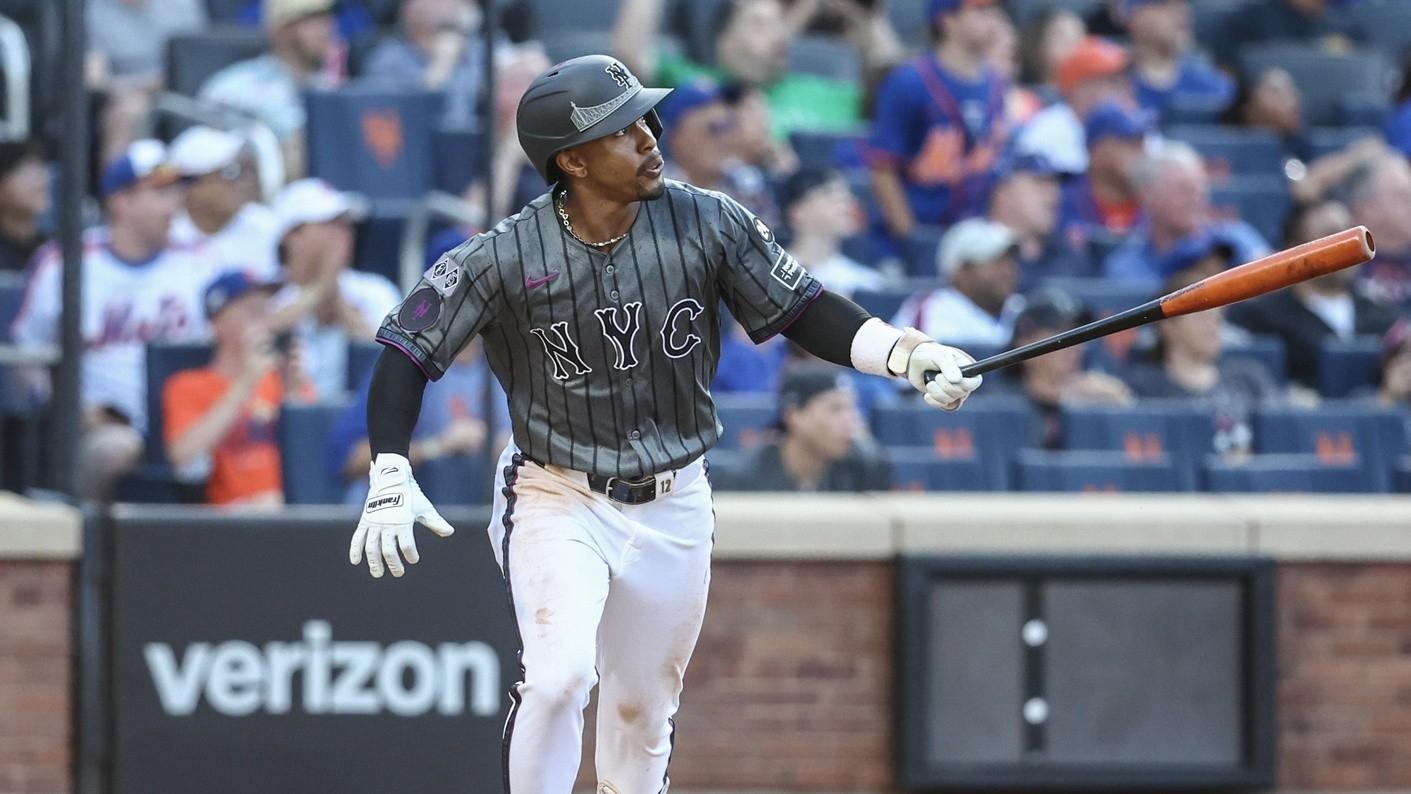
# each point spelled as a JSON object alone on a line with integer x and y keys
{"x": 249, "y": 656}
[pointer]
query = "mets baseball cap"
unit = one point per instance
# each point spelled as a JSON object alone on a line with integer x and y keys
{"x": 936, "y": 7}
{"x": 973, "y": 241}
{"x": 1093, "y": 58}
{"x": 1190, "y": 250}
{"x": 204, "y": 150}
{"x": 143, "y": 163}
{"x": 278, "y": 13}
{"x": 313, "y": 200}
{"x": 1114, "y": 120}
{"x": 231, "y": 285}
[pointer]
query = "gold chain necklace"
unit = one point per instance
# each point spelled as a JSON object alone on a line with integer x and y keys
{"x": 568, "y": 225}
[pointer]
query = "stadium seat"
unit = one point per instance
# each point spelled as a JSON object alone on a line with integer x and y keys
{"x": 909, "y": 21}
{"x": 303, "y": 441}
{"x": 825, "y": 56}
{"x": 1289, "y": 473}
{"x": 1099, "y": 295}
{"x": 921, "y": 251}
{"x": 11, "y": 297}
{"x": 193, "y": 57}
{"x": 1233, "y": 150}
{"x": 1261, "y": 201}
{"x": 988, "y": 431}
{"x": 378, "y": 244}
{"x": 1154, "y": 429}
{"x": 1326, "y": 80}
{"x": 1024, "y": 10}
{"x": 1401, "y": 476}
{"x": 1094, "y": 472}
{"x": 921, "y": 470}
{"x": 165, "y": 359}
{"x": 560, "y": 45}
{"x": 224, "y": 11}
{"x": 455, "y": 480}
{"x": 1387, "y": 23}
{"x": 882, "y": 303}
{"x": 1267, "y": 350}
{"x": 455, "y": 158}
{"x": 747, "y": 419}
{"x": 554, "y": 16}
{"x": 1326, "y": 140}
{"x": 1337, "y": 433}
{"x": 819, "y": 149}
{"x": 361, "y": 357}
{"x": 1347, "y": 365}
{"x": 373, "y": 141}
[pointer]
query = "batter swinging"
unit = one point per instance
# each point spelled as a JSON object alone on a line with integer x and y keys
{"x": 598, "y": 306}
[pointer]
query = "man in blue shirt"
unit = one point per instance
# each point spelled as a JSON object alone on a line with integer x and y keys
{"x": 1165, "y": 69}
{"x": 1102, "y": 205}
{"x": 939, "y": 124}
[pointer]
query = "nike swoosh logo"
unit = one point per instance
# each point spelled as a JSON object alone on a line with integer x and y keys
{"x": 533, "y": 283}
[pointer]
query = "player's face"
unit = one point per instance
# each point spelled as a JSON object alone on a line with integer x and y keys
{"x": 625, "y": 166}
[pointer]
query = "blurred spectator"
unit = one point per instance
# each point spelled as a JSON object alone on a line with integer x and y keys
{"x": 1092, "y": 73}
{"x": 1309, "y": 312}
{"x": 332, "y": 304}
{"x": 1186, "y": 363}
{"x": 699, "y": 141}
{"x": 516, "y": 181}
{"x": 1324, "y": 24}
{"x": 1175, "y": 197}
{"x": 1270, "y": 101}
{"x": 1397, "y": 129}
{"x": 979, "y": 260}
{"x": 821, "y": 211}
{"x": 452, "y": 422}
{"x": 354, "y": 18}
{"x": 939, "y": 123}
{"x": 754, "y": 143}
{"x": 1103, "y": 204}
{"x": 1057, "y": 379}
{"x": 1395, "y": 384}
{"x": 1379, "y": 195}
{"x": 1165, "y": 68}
{"x": 752, "y": 39}
{"x": 745, "y": 366}
{"x": 303, "y": 54}
{"x": 822, "y": 443}
{"x": 438, "y": 47}
{"x": 24, "y": 199}
{"x": 136, "y": 289}
{"x": 1021, "y": 102}
{"x": 127, "y": 44}
{"x": 1026, "y": 201}
{"x": 1047, "y": 41}
{"x": 221, "y": 210}
{"x": 221, "y": 419}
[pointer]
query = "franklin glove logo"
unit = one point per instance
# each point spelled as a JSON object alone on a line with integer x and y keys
{"x": 384, "y": 502}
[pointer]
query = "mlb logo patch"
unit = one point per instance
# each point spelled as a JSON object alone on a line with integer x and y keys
{"x": 787, "y": 270}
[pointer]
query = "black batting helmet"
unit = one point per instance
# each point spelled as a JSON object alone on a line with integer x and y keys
{"x": 577, "y": 101}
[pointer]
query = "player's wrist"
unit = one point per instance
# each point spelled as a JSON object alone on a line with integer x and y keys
{"x": 872, "y": 346}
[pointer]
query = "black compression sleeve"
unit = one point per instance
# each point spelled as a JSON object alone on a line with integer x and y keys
{"x": 827, "y": 326}
{"x": 393, "y": 402}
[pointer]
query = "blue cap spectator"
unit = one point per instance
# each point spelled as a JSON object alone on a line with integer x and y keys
{"x": 1206, "y": 253}
{"x": 231, "y": 286}
{"x": 1165, "y": 68}
{"x": 1114, "y": 120}
{"x": 143, "y": 163}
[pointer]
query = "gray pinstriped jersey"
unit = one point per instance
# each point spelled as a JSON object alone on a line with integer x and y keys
{"x": 606, "y": 357}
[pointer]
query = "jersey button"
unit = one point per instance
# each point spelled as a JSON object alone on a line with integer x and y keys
{"x": 609, "y": 269}
{"x": 613, "y": 294}
{"x": 634, "y": 435}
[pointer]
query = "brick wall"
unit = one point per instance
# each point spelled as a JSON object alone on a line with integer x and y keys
{"x": 35, "y": 673}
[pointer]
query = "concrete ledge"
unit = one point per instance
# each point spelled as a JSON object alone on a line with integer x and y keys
{"x": 32, "y": 530}
{"x": 797, "y": 526}
{"x": 1329, "y": 527}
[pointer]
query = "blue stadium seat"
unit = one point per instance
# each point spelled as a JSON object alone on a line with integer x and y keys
{"x": 920, "y": 470}
{"x": 1326, "y": 80}
{"x": 1101, "y": 296}
{"x": 825, "y": 56}
{"x": 373, "y": 140}
{"x": 192, "y": 58}
{"x": 1337, "y": 433}
{"x": 377, "y": 246}
{"x": 990, "y": 431}
{"x": 455, "y": 158}
{"x": 165, "y": 359}
{"x": 11, "y": 297}
{"x": 1326, "y": 140}
{"x": 1347, "y": 365}
{"x": 1025, "y": 10}
{"x": 1386, "y": 22}
{"x": 455, "y": 480}
{"x": 303, "y": 442}
{"x": 921, "y": 251}
{"x": 1096, "y": 472}
{"x": 819, "y": 149}
{"x": 882, "y": 303}
{"x": 361, "y": 357}
{"x": 1235, "y": 150}
{"x": 553, "y": 16}
{"x": 1287, "y": 473}
{"x": 561, "y": 45}
{"x": 747, "y": 419}
{"x": 1261, "y": 201}
{"x": 1153, "y": 430}
{"x": 1268, "y": 351}
{"x": 1401, "y": 476}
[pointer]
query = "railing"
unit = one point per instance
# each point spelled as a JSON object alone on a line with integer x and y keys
{"x": 15, "y": 61}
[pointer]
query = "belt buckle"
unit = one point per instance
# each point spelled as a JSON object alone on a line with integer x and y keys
{"x": 620, "y": 490}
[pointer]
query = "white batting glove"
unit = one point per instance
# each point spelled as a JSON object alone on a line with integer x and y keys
{"x": 916, "y": 354}
{"x": 394, "y": 504}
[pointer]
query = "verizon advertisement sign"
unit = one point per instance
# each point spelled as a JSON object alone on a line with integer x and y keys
{"x": 249, "y": 656}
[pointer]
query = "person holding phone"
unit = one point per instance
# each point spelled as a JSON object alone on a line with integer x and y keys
{"x": 219, "y": 420}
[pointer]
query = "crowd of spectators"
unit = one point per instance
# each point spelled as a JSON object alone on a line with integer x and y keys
{"x": 985, "y": 177}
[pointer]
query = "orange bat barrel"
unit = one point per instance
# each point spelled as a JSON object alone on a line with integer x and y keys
{"x": 1273, "y": 272}
{"x": 1280, "y": 269}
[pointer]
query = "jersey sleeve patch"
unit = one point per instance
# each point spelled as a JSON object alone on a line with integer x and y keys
{"x": 786, "y": 269}
{"x": 763, "y": 230}
{"x": 444, "y": 276}
{"x": 420, "y": 311}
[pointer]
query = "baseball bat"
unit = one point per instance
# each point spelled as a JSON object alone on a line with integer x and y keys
{"x": 1280, "y": 269}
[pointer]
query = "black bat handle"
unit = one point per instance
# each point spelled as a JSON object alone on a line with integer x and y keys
{"x": 1131, "y": 318}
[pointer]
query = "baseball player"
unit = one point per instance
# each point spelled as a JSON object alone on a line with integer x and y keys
{"x": 598, "y": 306}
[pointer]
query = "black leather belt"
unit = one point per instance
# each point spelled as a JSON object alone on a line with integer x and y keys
{"x": 628, "y": 492}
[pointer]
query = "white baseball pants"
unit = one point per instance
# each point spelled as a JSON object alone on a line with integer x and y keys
{"x": 602, "y": 593}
